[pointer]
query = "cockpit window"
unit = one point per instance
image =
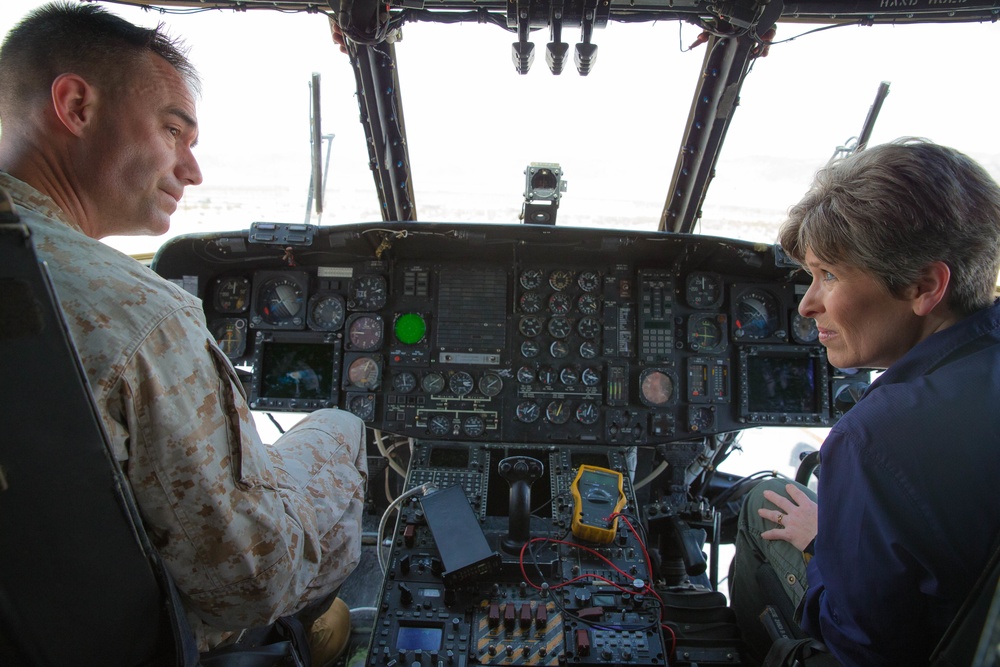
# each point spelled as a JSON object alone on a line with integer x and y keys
{"x": 474, "y": 125}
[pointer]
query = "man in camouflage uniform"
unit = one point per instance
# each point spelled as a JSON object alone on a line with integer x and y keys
{"x": 98, "y": 120}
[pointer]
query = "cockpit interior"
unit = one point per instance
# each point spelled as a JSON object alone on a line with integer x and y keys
{"x": 522, "y": 381}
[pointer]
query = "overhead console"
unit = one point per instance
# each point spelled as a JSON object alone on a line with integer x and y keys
{"x": 517, "y": 333}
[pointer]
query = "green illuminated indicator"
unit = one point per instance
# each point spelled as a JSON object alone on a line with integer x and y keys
{"x": 410, "y": 328}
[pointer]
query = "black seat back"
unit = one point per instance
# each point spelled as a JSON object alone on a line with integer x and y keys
{"x": 79, "y": 582}
{"x": 974, "y": 636}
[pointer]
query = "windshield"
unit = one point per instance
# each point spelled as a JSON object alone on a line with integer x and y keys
{"x": 474, "y": 124}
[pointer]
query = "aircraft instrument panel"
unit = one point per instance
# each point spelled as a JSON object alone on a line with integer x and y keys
{"x": 513, "y": 333}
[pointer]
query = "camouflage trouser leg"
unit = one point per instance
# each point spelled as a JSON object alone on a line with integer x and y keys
{"x": 764, "y": 571}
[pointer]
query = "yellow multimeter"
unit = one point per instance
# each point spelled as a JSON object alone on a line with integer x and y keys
{"x": 597, "y": 494}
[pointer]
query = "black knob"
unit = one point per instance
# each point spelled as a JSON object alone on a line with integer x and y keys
{"x": 405, "y": 594}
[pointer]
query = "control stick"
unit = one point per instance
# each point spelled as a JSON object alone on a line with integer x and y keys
{"x": 520, "y": 472}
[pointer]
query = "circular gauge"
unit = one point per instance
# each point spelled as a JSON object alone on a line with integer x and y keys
{"x": 704, "y": 333}
{"x": 588, "y": 350}
{"x": 461, "y": 383}
{"x": 439, "y": 425}
{"x": 656, "y": 387}
{"x": 364, "y": 332}
{"x": 530, "y": 326}
{"x": 560, "y": 327}
{"x": 589, "y": 281}
{"x": 231, "y": 336}
{"x": 281, "y": 302}
{"x": 531, "y": 302}
{"x": 804, "y": 329}
{"x": 560, "y": 303}
{"x": 756, "y": 314}
{"x": 527, "y": 412}
{"x": 568, "y": 376}
{"x": 588, "y": 327}
{"x": 560, "y": 279}
{"x": 232, "y": 294}
{"x": 404, "y": 382}
{"x": 525, "y": 375}
{"x": 473, "y": 426}
{"x": 588, "y": 304}
{"x": 704, "y": 290}
{"x": 559, "y": 349}
{"x": 362, "y": 406}
{"x": 364, "y": 373}
{"x": 590, "y": 377}
{"x": 587, "y": 413}
{"x": 410, "y": 328}
{"x": 547, "y": 375}
{"x": 701, "y": 419}
{"x": 432, "y": 383}
{"x": 326, "y": 312}
{"x": 531, "y": 278}
{"x": 529, "y": 349}
{"x": 490, "y": 384}
{"x": 557, "y": 412}
{"x": 370, "y": 292}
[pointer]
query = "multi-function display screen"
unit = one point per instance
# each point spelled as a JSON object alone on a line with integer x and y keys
{"x": 298, "y": 370}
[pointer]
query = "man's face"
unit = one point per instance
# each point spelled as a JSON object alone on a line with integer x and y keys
{"x": 140, "y": 155}
{"x": 860, "y": 323}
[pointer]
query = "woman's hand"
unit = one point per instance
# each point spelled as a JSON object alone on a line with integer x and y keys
{"x": 796, "y": 518}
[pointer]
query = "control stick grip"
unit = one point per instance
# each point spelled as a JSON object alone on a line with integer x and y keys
{"x": 520, "y": 472}
{"x": 690, "y": 540}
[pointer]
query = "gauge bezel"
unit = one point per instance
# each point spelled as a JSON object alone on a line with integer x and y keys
{"x": 527, "y": 409}
{"x": 421, "y": 320}
{"x": 238, "y": 323}
{"x": 559, "y": 411}
{"x": 244, "y": 283}
{"x": 560, "y": 279}
{"x": 587, "y": 413}
{"x": 716, "y": 320}
{"x": 461, "y": 383}
{"x": 775, "y": 302}
{"x": 670, "y": 375}
{"x": 433, "y": 383}
{"x": 368, "y": 399}
{"x": 490, "y": 384}
{"x": 368, "y": 301}
{"x": 447, "y": 421}
{"x": 261, "y": 281}
{"x": 315, "y": 301}
{"x": 370, "y": 345}
{"x": 474, "y": 426}
{"x": 531, "y": 279}
{"x": 813, "y": 337}
{"x": 699, "y": 296}
{"x": 531, "y": 302}
{"x": 589, "y": 281}
{"x": 350, "y": 359}
{"x": 404, "y": 382}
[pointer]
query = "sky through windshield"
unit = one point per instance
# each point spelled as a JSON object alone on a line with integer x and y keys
{"x": 473, "y": 124}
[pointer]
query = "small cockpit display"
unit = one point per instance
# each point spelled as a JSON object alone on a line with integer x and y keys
{"x": 295, "y": 372}
{"x": 783, "y": 385}
{"x": 419, "y": 639}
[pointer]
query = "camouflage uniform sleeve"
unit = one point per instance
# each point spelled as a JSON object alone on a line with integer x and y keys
{"x": 249, "y": 532}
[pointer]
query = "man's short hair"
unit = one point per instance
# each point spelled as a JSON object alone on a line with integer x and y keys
{"x": 59, "y": 37}
{"x": 893, "y": 209}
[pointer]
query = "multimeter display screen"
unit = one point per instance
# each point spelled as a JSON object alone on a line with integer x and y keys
{"x": 599, "y": 489}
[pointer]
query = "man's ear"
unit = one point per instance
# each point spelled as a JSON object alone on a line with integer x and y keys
{"x": 931, "y": 288}
{"x": 74, "y": 101}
